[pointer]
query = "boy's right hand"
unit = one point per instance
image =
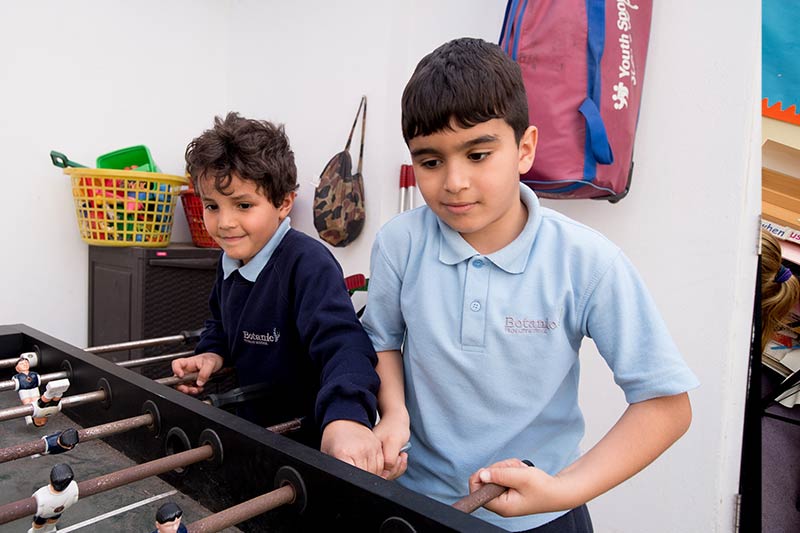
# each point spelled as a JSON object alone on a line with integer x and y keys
{"x": 204, "y": 364}
{"x": 393, "y": 430}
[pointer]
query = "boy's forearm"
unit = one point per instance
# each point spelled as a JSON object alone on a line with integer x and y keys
{"x": 391, "y": 396}
{"x": 642, "y": 433}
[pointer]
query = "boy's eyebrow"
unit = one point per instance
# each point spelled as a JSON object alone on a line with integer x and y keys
{"x": 483, "y": 139}
{"x": 243, "y": 196}
{"x": 234, "y": 197}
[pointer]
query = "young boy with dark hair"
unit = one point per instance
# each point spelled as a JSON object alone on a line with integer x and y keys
{"x": 490, "y": 295}
{"x": 280, "y": 311}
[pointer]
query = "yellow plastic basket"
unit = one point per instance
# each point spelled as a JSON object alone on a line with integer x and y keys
{"x": 124, "y": 207}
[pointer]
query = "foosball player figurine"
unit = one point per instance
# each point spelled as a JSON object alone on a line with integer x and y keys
{"x": 60, "y": 442}
{"x": 26, "y": 383}
{"x": 53, "y": 499}
{"x": 168, "y": 519}
{"x": 49, "y": 403}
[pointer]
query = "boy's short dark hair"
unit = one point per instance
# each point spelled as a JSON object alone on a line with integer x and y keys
{"x": 168, "y": 512}
{"x": 468, "y": 81}
{"x": 254, "y": 150}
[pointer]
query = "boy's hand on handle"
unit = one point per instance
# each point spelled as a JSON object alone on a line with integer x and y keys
{"x": 353, "y": 443}
{"x": 393, "y": 431}
{"x": 530, "y": 490}
{"x": 204, "y": 364}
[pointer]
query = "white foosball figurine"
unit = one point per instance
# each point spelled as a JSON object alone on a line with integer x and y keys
{"x": 50, "y": 402}
{"x": 32, "y": 357}
{"x": 53, "y": 499}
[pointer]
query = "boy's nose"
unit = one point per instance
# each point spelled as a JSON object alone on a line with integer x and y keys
{"x": 226, "y": 219}
{"x": 456, "y": 178}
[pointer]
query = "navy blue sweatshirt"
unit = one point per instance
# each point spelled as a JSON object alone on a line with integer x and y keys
{"x": 295, "y": 330}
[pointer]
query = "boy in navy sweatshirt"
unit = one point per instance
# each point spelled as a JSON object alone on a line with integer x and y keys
{"x": 280, "y": 311}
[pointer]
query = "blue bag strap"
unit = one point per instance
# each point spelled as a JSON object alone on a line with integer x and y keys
{"x": 596, "y": 136}
{"x": 508, "y": 24}
{"x": 518, "y": 27}
{"x": 597, "y": 148}
{"x": 505, "y": 23}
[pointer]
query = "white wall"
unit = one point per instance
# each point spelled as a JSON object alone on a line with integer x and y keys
{"x": 79, "y": 77}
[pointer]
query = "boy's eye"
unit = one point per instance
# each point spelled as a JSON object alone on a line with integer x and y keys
{"x": 478, "y": 156}
{"x": 430, "y": 163}
{"x": 210, "y": 207}
{"x": 245, "y": 205}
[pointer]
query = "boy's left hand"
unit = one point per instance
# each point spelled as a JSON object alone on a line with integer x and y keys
{"x": 530, "y": 490}
{"x": 353, "y": 443}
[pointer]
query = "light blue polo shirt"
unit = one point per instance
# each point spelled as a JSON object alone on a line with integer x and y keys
{"x": 491, "y": 343}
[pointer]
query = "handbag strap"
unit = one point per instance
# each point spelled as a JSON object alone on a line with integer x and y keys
{"x": 361, "y": 106}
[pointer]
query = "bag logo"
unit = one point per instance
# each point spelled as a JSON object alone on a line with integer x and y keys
{"x": 263, "y": 339}
{"x": 627, "y": 65}
{"x": 620, "y": 96}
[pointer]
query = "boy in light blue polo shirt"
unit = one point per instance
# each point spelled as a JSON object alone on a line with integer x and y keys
{"x": 489, "y": 296}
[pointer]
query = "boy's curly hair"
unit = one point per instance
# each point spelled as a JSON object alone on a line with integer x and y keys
{"x": 466, "y": 81}
{"x": 254, "y": 150}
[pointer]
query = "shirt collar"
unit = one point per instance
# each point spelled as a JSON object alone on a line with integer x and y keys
{"x": 251, "y": 270}
{"x": 513, "y": 257}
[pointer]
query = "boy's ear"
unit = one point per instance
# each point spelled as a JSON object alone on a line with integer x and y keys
{"x": 527, "y": 149}
{"x": 286, "y": 205}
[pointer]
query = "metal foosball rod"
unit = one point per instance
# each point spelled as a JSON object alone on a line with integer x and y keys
{"x": 88, "y": 397}
{"x": 101, "y": 431}
{"x": 26, "y": 507}
{"x": 183, "y": 336}
{"x": 96, "y": 432}
{"x": 479, "y": 498}
{"x": 32, "y": 357}
{"x": 244, "y": 511}
{"x": 154, "y": 359}
{"x": 470, "y": 503}
{"x": 10, "y": 384}
{"x": 286, "y": 427}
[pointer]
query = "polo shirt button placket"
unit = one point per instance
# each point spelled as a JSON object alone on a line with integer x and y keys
{"x": 473, "y": 319}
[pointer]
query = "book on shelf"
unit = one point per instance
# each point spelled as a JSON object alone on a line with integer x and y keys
{"x": 780, "y": 231}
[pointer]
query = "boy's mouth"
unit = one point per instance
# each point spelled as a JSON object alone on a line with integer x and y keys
{"x": 458, "y": 208}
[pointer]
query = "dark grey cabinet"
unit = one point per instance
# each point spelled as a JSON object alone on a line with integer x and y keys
{"x": 141, "y": 293}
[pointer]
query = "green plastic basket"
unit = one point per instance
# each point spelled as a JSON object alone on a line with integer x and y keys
{"x": 136, "y": 158}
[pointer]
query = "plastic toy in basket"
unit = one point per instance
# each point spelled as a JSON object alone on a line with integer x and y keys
{"x": 193, "y": 208}
{"x": 131, "y": 158}
{"x": 124, "y": 207}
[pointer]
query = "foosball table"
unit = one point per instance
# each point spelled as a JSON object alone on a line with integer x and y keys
{"x": 239, "y": 474}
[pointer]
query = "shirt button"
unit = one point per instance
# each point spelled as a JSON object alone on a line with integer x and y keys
{"x": 478, "y": 263}
{"x": 475, "y": 305}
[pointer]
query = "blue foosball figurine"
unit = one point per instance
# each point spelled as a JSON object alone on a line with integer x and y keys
{"x": 168, "y": 519}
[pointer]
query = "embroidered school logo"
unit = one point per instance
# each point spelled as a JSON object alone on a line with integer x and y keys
{"x": 527, "y": 326}
{"x": 263, "y": 339}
